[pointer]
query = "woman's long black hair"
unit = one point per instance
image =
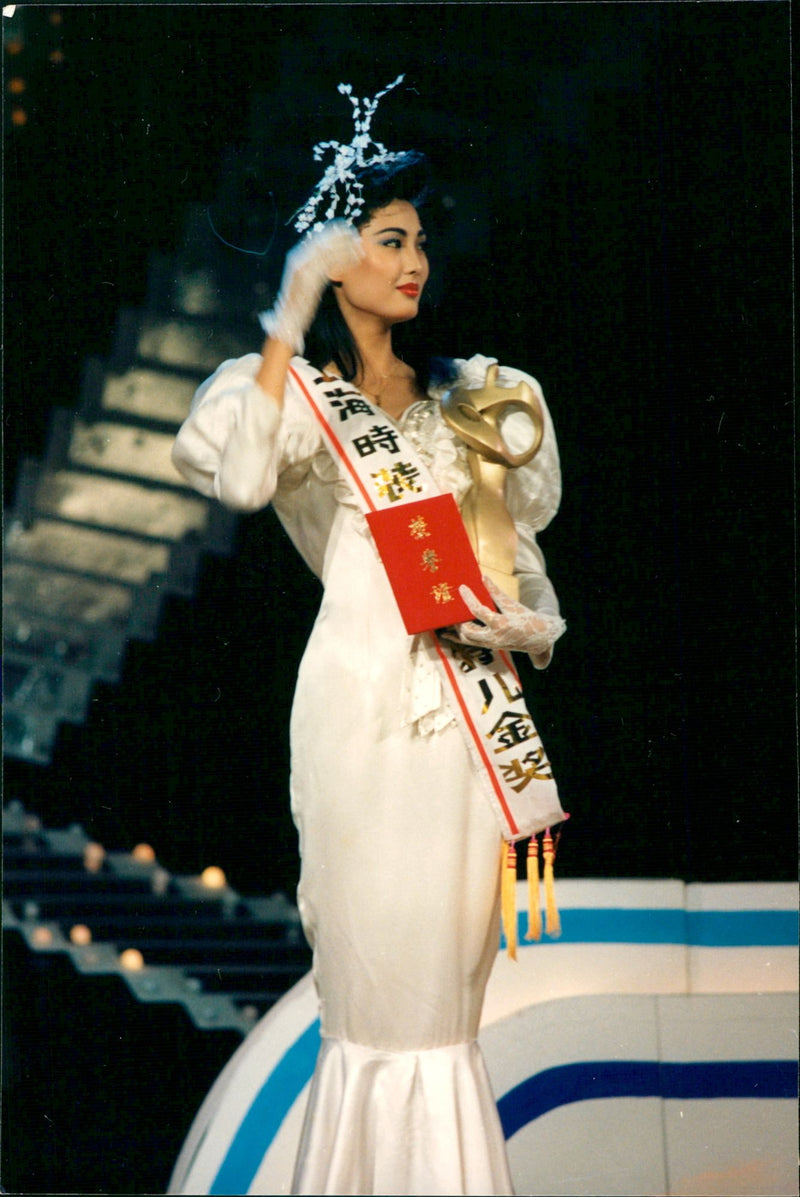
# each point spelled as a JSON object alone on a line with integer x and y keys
{"x": 329, "y": 339}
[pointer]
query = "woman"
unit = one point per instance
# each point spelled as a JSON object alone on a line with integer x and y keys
{"x": 399, "y": 890}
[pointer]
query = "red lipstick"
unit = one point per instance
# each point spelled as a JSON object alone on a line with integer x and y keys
{"x": 410, "y": 289}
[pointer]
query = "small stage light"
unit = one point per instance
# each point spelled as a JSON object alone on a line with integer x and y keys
{"x": 213, "y": 878}
{"x": 42, "y": 937}
{"x": 132, "y": 960}
{"x": 16, "y": 86}
{"x": 80, "y": 935}
{"x": 93, "y": 857}
{"x": 143, "y": 853}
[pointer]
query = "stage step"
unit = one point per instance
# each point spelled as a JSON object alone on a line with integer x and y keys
{"x": 223, "y": 957}
{"x": 104, "y": 528}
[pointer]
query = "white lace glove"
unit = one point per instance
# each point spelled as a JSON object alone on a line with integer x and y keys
{"x": 514, "y": 626}
{"x": 306, "y": 273}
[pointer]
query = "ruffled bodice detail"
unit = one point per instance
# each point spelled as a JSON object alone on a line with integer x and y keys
{"x": 439, "y": 448}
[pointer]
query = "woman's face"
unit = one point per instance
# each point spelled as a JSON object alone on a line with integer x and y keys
{"x": 389, "y": 280}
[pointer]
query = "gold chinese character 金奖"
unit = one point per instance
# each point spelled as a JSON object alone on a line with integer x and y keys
{"x": 512, "y": 728}
{"x": 442, "y": 592}
{"x": 534, "y": 766}
{"x": 418, "y": 527}
{"x": 430, "y": 560}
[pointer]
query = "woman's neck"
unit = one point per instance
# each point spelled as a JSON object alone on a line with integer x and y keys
{"x": 383, "y": 377}
{"x": 373, "y": 341}
{"x": 377, "y": 359}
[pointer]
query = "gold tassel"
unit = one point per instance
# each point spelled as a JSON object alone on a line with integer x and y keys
{"x": 508, "y": 897}
{"x": 534, "y": 910}
{"x": 552, "y": 923}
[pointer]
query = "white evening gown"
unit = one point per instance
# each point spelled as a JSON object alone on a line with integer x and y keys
{"x": 399, "y": 889}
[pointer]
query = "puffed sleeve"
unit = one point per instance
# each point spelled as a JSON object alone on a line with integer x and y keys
{"x": 236, "y": 442}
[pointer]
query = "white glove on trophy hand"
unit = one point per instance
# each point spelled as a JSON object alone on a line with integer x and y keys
{"x": 514, "y": 626}
{"x": 307, "y": 271}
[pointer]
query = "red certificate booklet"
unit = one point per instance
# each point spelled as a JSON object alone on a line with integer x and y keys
{"x": 427, "y": 555}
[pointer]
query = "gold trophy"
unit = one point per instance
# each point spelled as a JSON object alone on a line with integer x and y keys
{"x": 474, "y": 416}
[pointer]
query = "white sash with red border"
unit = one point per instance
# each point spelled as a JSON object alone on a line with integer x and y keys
{"x": 384, "y": 469}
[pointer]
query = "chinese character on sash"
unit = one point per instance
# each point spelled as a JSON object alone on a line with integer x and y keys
{"x": 430, "y": 560}
{"x": 537, "y": 768}
{"x": 513, "y": 727}
{"x": 489, "y": 695}
{"x": 380, "y": 436}
{"x": 350, "y": 404}
{"x": 401, "y": 479}
{"x": 470, "y": 656}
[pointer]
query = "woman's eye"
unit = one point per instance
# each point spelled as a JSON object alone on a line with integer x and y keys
{"x": 394, "y": 242}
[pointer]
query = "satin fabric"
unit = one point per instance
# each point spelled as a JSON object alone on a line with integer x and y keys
{"x": 427, "y": 1123}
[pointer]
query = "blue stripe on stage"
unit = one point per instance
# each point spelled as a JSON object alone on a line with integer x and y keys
{"x": 644, "y": 1078}
{"x": 262, "y": 1121}
{"x": 697, "y": 928}
{"x": 743, "y": 928}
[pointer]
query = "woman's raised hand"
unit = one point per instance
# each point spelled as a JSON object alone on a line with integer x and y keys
{"x": 514, "y": 627}
{"x": 307, "y": 271}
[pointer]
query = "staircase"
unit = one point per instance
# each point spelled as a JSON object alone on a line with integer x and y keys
{"x": 103, "y": 528}
{"x": 189, "y": 941}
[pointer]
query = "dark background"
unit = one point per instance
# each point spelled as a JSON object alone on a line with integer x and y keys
{"x": 619, "y": 226}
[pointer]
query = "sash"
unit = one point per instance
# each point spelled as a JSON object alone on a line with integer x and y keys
{"x": 385, "y": 470}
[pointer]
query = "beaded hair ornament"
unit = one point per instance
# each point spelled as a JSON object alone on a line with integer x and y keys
{"x": 339, "y": 180}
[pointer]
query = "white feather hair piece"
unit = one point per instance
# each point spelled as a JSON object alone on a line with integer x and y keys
{"x": 340, "y": 177}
